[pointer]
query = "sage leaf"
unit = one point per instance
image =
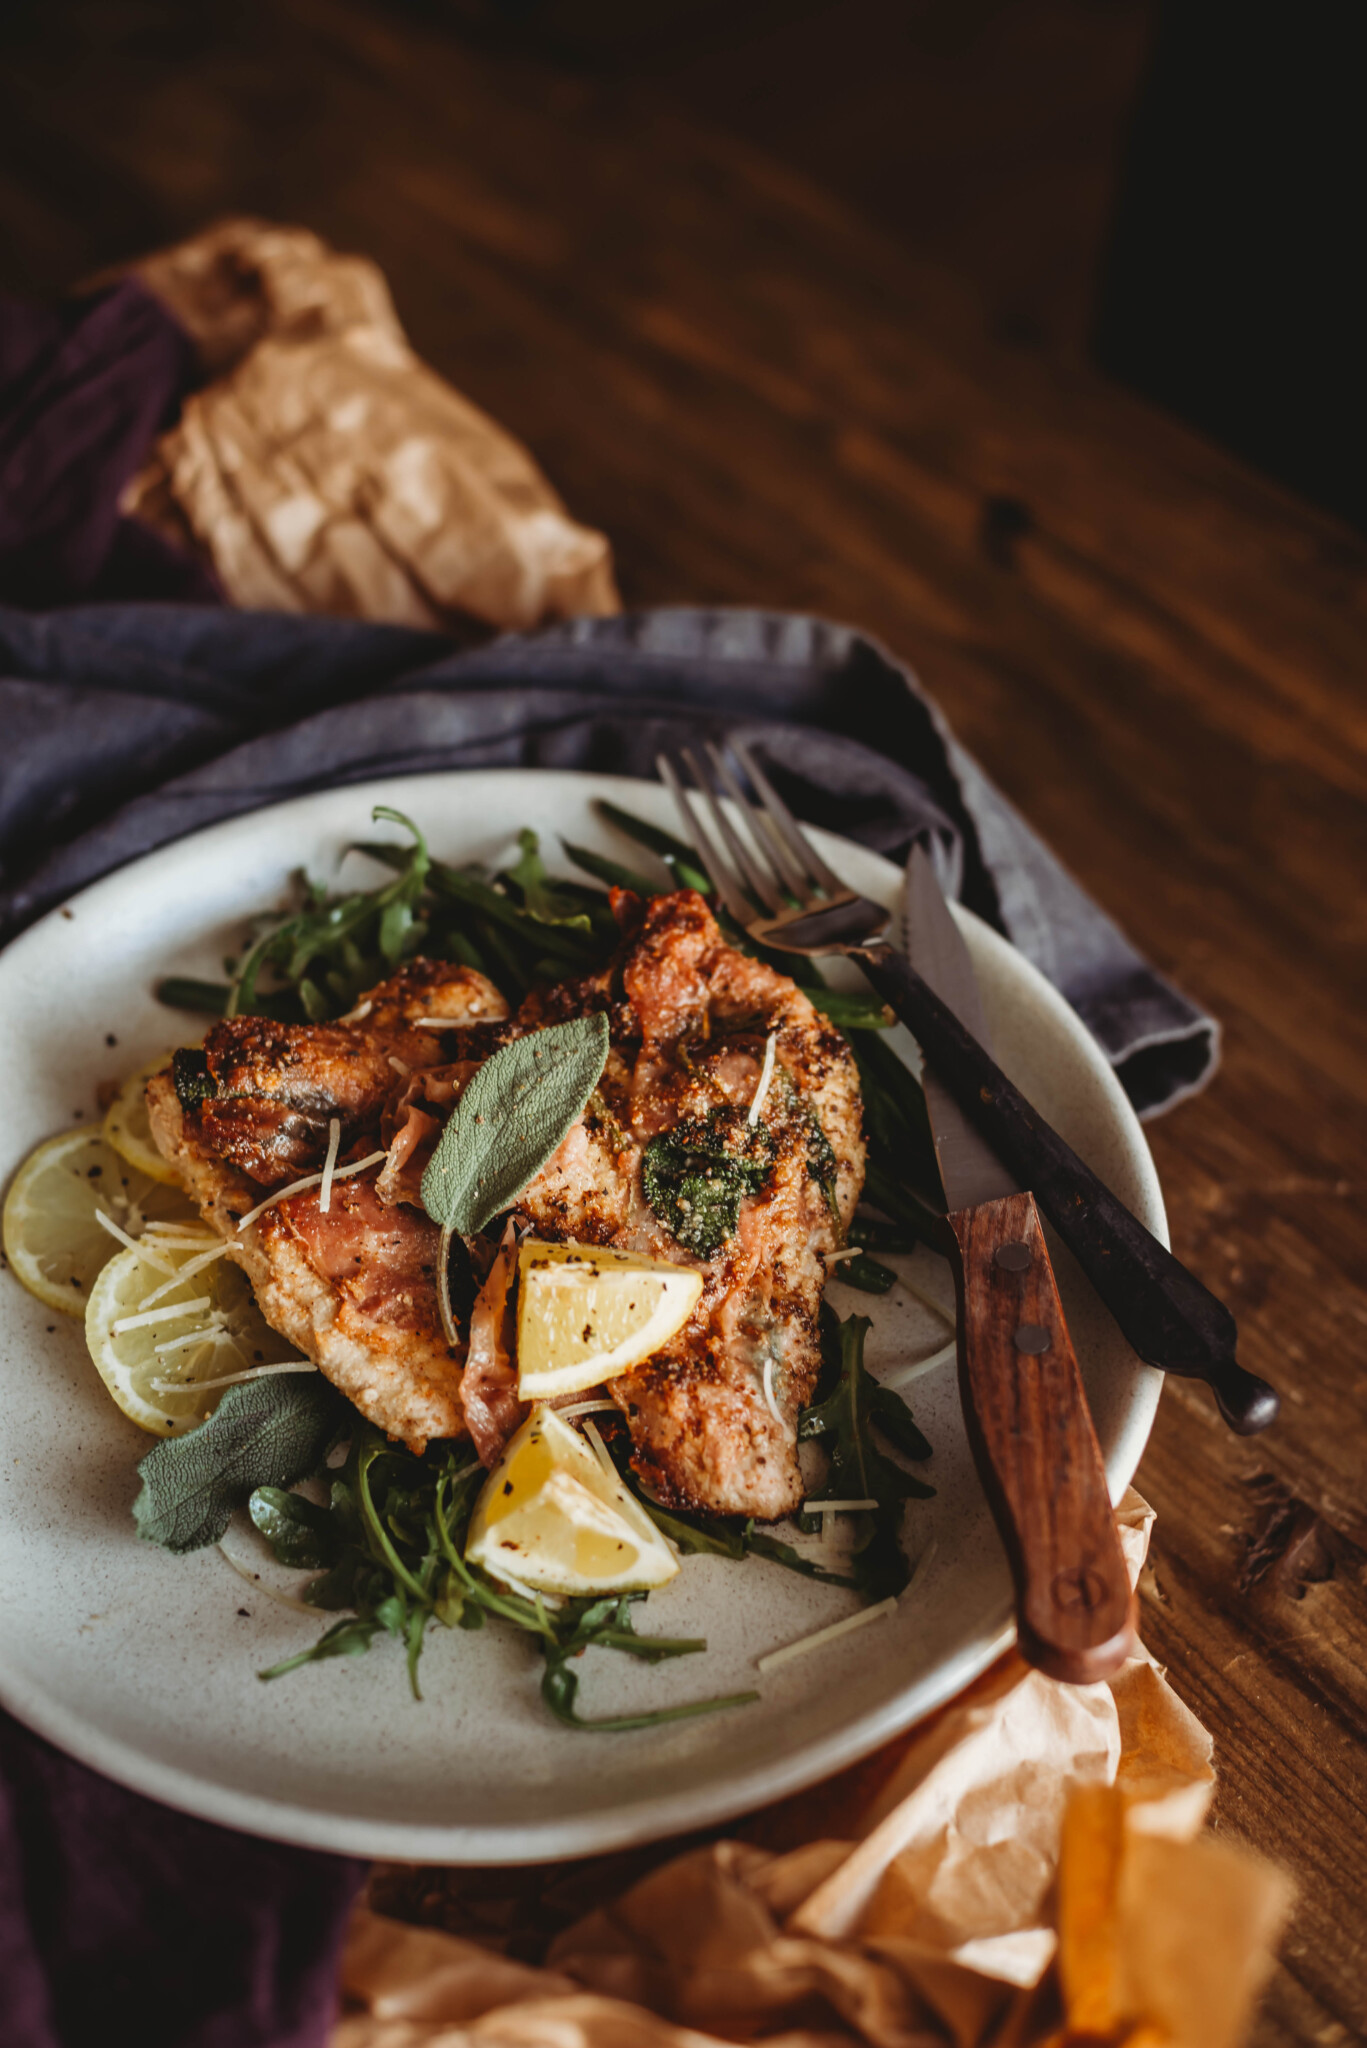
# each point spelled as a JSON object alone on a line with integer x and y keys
{"x": 263, "y": 1433}
{"x": 511, "y": 1119}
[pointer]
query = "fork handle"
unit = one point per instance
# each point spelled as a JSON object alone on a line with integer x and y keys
{"x": 1163, "y": 1310}
{"x": 1035, "y": 1447}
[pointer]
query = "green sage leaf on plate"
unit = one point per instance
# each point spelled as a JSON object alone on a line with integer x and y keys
{"x": 263, "y": 1433}
{"x": 511, "y": 1119}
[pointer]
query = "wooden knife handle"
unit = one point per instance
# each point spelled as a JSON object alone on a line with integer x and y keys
{"x": 1036, "y": 1448}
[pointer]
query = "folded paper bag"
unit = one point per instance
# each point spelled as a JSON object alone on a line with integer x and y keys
{"x": 1029, "y": 1876}
{"x": 1159, "y": 1931}
{"x": 328, "y": 469}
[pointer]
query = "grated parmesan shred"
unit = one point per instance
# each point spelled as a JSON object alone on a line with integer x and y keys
{"x": 187, "y": 1272}
{"x": 160, "y": 1315}
{"x": 207, "y": 1334}
{"x": 903, "y": 1375}
{"x": 330, "y": 1165}
{"x": 310, "y": 1180}
{"x": 825, "y": 1635}
{"x": 766, "y": 1075}
{"x": 144, "y": 1252}
{"x": 601, "y": 1451}
{"x": 230, "y": 1379}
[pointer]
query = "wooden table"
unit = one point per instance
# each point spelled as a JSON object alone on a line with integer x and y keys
{"x": 1159, "y": 658}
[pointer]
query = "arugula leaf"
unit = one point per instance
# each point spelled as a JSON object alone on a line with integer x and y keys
{"x": 539, "y": 899}
{"x": 606, "y": 1624}
{"x": 351, "y": 937}
{"x": 301, "y": 1534}
{"x": 759, "y": 1543}
{"x": 560, "y": 1686}
{"x": 350, "y": 1638}
{"x": 510, "y": 1120}
{"x": 263, "y": 1433}
{"x": 717, "y": 1535}
{"x": 844, "y": 1423}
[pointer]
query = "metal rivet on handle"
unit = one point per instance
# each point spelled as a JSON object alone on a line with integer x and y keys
{"x": 1014, "y": 1258}
{"x": 1032, "y": 1340}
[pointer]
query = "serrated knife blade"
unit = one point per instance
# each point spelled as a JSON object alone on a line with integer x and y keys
{"x": 969, "y": 1168}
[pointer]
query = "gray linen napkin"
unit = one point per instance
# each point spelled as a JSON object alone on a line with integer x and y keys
{"x": 123, "y": 727}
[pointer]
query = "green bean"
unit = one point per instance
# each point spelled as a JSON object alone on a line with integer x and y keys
{"x": 610, "y": 871}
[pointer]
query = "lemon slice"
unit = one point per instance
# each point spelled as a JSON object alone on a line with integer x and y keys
{"x": 553, "y": 1518}
{"x": 53, "y": 1241}
{"x": 584, "y": 1314}
{"x": 127, "y": 1129}
{"x": 165, "y": 1360}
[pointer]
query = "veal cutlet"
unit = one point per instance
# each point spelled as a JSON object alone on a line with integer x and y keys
{"x": 667, "y": 1160}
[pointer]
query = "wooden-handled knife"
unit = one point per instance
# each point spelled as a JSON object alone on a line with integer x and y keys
{"x": 1023, "y": 1398}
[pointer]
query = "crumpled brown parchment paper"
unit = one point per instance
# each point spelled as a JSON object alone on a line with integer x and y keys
{"x": 1032, "y": 1872}
{"x": 326, "y": 468}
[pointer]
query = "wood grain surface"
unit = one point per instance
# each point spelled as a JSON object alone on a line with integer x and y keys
{"x": 1158, "y": 657}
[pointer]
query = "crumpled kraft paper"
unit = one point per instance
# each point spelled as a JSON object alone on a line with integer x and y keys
{"x": 326, "y": 468}
{"x": 1033, "y": 1872}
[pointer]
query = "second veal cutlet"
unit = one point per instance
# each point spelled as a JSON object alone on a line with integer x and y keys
{"x": 666, "y": 1160}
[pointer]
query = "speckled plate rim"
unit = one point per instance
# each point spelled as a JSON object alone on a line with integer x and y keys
{"x": 693, "y": 1805}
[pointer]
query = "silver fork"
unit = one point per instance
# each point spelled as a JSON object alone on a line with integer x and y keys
{"x": 777, "y": 887}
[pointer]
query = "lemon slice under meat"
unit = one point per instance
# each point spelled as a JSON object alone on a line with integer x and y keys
{"x": 126, "y": 1125}
{"x": 585, "y": 1314}
{"x": 553, "y": 1518}
{"x": 164, "y": 1359}
{"x": 53, "y": 1241}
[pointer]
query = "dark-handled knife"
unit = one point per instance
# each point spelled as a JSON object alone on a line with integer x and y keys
{"x": 1023, "y": 1397}
{"x": 1166, "y": 1314}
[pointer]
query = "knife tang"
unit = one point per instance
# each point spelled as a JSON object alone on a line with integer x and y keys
{"x": 1036, "y": 1448}
{"x": 1164, "y": 1312}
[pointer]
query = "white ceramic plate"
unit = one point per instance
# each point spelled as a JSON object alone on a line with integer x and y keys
{"x": 143, "y": 1665}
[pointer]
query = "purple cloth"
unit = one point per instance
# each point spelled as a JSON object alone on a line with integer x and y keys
{"x": 123, "y": 1921}
{"x": 85, "y": 387}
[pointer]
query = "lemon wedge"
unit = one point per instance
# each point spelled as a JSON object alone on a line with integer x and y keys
{"x": 168, "y": 1346}
{"x": 126, "y": 1125}
{"x": 554, "y": 1518}
{"x": 54, "y": 1241}
{"x": 584, "y": 1314}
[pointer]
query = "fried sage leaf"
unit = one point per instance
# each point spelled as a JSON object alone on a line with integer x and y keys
{"x": 697, "y": 1175}
{"x": 263, "y": 1433}
{"x": 511, "y": 1119}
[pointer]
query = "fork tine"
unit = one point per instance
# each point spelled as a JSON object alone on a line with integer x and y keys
{"x": 771, "y": 845}
{"x": 786, "y": 823}
{"x": 751, "y": 873}
{"x": 718, "y": 874}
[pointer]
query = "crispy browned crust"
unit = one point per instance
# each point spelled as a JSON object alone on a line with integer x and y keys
{"x": 690, "y": 1017}
{"x": 353, "y": 1289}
{"x": 713, "y": 1417}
